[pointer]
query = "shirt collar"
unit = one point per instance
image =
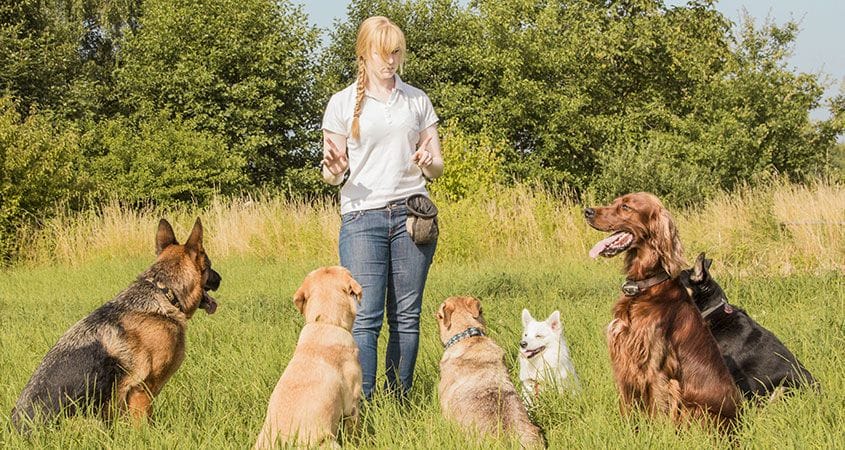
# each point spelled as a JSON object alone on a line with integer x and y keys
{"x": 399, "y": 86}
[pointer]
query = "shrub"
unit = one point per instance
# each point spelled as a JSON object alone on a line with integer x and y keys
{"x": 39, "y": 160}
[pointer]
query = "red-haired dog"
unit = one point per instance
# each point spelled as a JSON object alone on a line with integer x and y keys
{"x": 665, "y": 360}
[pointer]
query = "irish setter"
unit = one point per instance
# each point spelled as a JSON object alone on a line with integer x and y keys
{"x": 665, "y": 360}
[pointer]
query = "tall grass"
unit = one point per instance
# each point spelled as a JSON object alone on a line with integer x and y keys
{"x": 779, "y": 253}
{"x": 782, "y": 228}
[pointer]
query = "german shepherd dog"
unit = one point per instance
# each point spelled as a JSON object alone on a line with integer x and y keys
{"x": 760, "y": 364}
{"x": 120, "y": 356}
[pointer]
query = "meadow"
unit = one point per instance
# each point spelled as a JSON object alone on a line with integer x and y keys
{"x": 778, "y": 251}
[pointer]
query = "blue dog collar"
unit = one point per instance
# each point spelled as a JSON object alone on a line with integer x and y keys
{"x": 469, "y": 332}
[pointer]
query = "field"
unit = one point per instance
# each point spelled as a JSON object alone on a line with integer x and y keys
{"x": 779, "y": 253}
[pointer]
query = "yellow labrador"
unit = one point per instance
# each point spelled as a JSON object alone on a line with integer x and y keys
{"x": 475, "y": 389}
{"x": 322, "y": 383}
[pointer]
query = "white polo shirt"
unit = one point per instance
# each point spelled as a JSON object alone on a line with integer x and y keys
{"x": 380, "y": 166}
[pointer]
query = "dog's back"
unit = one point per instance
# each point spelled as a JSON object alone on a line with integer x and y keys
{"x": 475, "y": 388}
{"x": 83, "y": 369}
{"x": 665, "y": 339}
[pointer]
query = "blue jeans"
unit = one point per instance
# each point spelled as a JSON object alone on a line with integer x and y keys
{"x": 391, "y": 269}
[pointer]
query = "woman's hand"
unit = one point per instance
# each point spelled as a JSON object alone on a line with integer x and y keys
{"x": 334, "y": 161}
{"x": 423, "y": 157}
{"x": 428, "y": 156}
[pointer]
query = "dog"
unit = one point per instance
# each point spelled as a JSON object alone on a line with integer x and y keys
{"x": 544, "y": 357}
{"x": 322, "y": 383}
{"x": 475, "y": 388}
{"x": 664, "y": 358}
{"x": 119, "y": 357}
{"x": 758, "y": 361}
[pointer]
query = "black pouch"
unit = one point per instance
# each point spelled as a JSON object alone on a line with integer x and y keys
{"x": 422, "y": 219}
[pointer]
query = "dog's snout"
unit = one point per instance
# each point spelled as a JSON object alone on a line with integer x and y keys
{"x": 589, "y": 213}
{"x": 523, "y": 344}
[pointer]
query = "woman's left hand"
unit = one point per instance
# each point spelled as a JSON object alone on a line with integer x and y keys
{"x": 422, "y": 157}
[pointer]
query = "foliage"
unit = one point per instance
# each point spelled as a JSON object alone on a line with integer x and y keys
{"x": 578, "y": 88}
{"x": 241, "y": 69}
{"x": 156, "y": 159}
{"x": 39, "y": 169}
{"x": 474, "y": 162}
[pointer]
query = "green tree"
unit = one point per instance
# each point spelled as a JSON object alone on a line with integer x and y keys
{"x": 586, "y": 92}
{"x": 153, "y": 158}
{"x": 40, "y": 162}
{"x": 240, "y": 69}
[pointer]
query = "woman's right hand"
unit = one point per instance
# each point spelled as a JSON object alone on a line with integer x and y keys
{"x": 334, "y": 159}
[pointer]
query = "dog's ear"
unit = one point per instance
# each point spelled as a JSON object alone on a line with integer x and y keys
{"x": 474, "y": 306}
{"x": 299, "y": 298}
{"x": 526, "y": 318}
{"x": 355, "y": 292}
{"x": 195, "y": 239}
{"x": 707, "y": 264}
{"x": 164, "y": 236}
{"x": 354, "y": 289}
{"x": 699, "y": 269}
{"x": 666, "y": 241}
{"x": 554, "y": 322}
{"x": 444, "y": 314}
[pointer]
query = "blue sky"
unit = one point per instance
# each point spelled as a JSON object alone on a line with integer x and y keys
{"x": 818, "y": 49}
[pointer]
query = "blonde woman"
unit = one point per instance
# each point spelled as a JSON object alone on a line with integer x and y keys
{"x": 383, "y": 133}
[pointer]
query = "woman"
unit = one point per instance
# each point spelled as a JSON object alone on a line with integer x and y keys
{"x": 384, "y": 133}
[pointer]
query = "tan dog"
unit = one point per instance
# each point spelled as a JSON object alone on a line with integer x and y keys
{"x": 322, "y": 383}
{"x": 475, "y": 389}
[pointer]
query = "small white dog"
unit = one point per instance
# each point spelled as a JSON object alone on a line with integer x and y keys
{"x": 544, "y": 357}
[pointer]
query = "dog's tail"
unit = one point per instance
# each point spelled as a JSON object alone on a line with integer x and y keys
{"x": 530, "y": 435}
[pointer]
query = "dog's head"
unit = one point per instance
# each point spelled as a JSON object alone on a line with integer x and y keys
{"x": 641, "y": 225}
{"x": 329, "y": 295}
{"x": 702, "y": 288}
{"x": 185, "y": 269}
{"x": 538, "y": 336}
{"x": 456, "y": 314}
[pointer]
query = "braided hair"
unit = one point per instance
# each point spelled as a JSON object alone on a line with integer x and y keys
{"x": 379, "y": 34}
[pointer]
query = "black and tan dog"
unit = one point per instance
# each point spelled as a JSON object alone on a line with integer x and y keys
{"x": 759, "y": 363}
{"x": 119, "y": 357}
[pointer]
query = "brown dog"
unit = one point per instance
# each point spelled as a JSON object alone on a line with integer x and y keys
{"x": 322, "y": 383}
{"x": 475, "y": 389}
{"x": 664, "y": 358}
{"x": 120, "y": 356}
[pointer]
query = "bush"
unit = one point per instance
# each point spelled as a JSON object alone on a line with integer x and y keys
{"x": 39, "y": 169}
{"x": 473, "y": 163}
{"x": 163, "y": 161}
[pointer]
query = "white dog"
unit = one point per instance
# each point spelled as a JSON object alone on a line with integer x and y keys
{"x": 544, "y": 357}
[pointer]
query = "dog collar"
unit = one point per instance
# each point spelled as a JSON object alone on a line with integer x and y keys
{"x": 469, "y": 332}
{"x": 715, "y": 308}
{"x": 632, "y": 288}
{"x": 168, "y": 293}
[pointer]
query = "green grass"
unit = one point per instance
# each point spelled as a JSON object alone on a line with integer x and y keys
{"x": 218, "y": 397}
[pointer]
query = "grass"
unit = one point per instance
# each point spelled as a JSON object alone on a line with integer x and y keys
{"x": 519, "y": 248}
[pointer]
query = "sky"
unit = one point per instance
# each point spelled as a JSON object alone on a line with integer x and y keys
{"x": 819, "y": 48}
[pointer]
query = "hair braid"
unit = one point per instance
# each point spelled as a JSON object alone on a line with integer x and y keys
{"x": 359, "y": 98}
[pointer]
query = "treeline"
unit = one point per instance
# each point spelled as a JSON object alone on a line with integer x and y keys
{"x": 172, "y": 101}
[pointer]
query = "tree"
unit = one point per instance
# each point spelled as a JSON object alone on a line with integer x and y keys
{"x": 240, "y": 69}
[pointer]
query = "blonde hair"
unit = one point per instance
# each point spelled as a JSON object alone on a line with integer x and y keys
{"x": 377, "y": 34}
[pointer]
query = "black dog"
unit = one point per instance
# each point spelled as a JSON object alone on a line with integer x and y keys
{"x": 756, "y": 358}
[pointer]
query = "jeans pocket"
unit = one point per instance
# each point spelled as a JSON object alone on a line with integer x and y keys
{"x": 351, "y": 217}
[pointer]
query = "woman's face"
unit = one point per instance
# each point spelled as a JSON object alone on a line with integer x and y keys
{"x": 380, "y": 68}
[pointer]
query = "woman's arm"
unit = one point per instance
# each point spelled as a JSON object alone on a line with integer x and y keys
{"x": 428, "y": 155}
{"x": 335, "y": 162}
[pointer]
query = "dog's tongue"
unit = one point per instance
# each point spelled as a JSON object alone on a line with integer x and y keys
{"x": 603, "y": 245}
{"x": 208, "y": 303}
